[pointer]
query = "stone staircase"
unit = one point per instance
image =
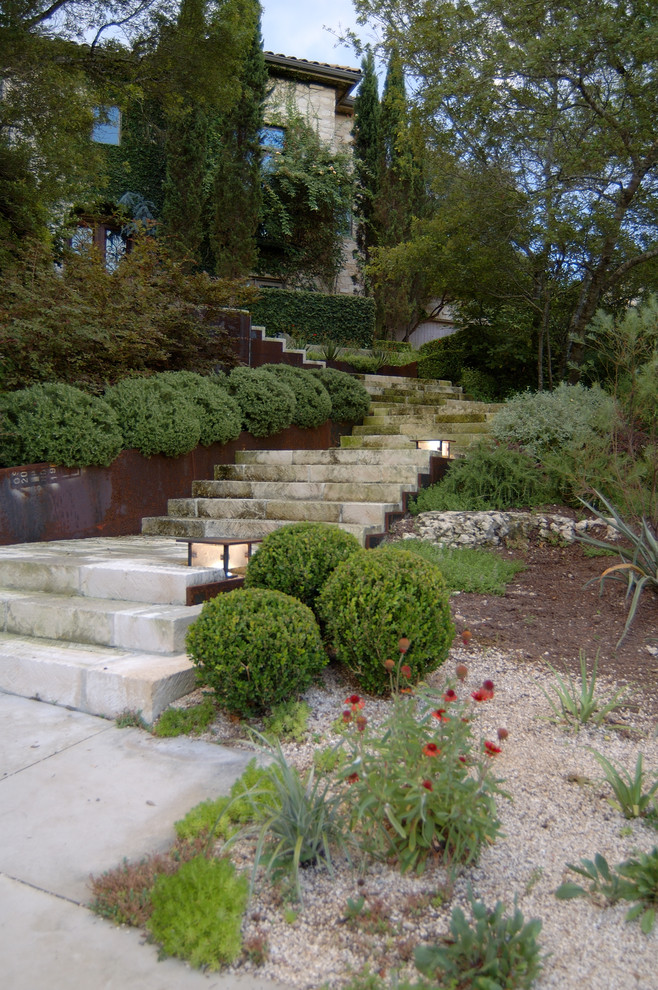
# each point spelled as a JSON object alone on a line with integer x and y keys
{"x": 98, "y": 625}
{"x": 358, "y": 486}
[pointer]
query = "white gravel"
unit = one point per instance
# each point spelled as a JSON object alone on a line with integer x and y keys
{"x": 558, "y": 813}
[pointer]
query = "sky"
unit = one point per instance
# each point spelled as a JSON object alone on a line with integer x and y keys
{"x": 297, "y": 28}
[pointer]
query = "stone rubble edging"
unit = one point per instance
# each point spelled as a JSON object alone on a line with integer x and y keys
{"x": 472, "y": 529}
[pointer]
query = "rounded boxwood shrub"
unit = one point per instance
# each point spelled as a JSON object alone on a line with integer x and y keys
{"x": 155, "y": 416}
{"x": 350, "y": 400}
{"x": 298, "y": 559}
{"x": 219, "y": 413}
{"x": 255, "y": 648}
{"x": 375, "y": 598}
{"x": 59, "y": 424}
{"x": 266, "y": 403}
{"x": 312, "y": 401}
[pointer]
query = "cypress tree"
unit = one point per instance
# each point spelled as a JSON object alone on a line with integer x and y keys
{"x": 367, "y": 153}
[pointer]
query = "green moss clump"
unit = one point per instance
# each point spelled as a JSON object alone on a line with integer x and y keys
{"x": 374, "y": 599}
{"x": 255, "y": 648}
{"x": 197, "y": 912}
{"x": 59, "y": 424}
{"x": 298, "y": 559}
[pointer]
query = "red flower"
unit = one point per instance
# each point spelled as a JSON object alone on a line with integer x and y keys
{"x": 405, "y": 670}
{"x": 462, "y": 759}
{"x": 389, "y": 664}
{"x": 462, "y": 671}
{"x": 347, "y": 716}
{"x": 355, "y": 701}
{"x": 491, "y": 749}
{"x": 406, "y": 691}
{"x": 502, "y": 733}
{"x": 488, "y": 685}
{"x": 431, "y": 749}
{"x": 403, "y": 644}
{"x": 466, "y": 636}
{"x": 353, "y": 777}
{"x": 440, "y": 713}
{"x": 481, "y": 695}
{"x": 427, "y": 784}
{"x": 361, "y": 722}
{"x": 450, "y": 695}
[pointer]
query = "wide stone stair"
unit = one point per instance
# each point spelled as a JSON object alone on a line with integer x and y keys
{"x": 359, "y": 487}
{"x": 98, "y": 625}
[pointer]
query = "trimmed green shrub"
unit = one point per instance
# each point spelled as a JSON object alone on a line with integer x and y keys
{"x": 197, "y": 912}
{"x": 571, "y": 416}
{"x": 155, "y": 416}
{"x": 487, "y": 478}
{"x": 374, "y": 599}
{"x": 350, "y": 400}
{"x": 312, "y": 401}
{"x": 267, "y": 404}
{"x": 219, "y": 413}
{"x": 315, "y": 316}
{"x": 255, "y": 648}
{"x": 59, "y": 424}
{"x": 297, "y": 559}
{"x": 478, "y": 384}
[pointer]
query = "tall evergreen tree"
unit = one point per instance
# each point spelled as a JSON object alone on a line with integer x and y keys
{"x": 367, "y": 153}
{"x": 234, "y": 178}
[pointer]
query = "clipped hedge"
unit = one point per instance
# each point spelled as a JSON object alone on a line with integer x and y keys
{"x": 297, "y": 559}
{"x": 375, "y": 598}
{"x": 316, "y": 316}
{"x": 266, "y": 403}
{"x": 350, "y": 400}
{"x": 255, "y": 648}
{"x": 155, "y": 416}
{"x": 59, "y": 424}
{"x": 219, "y": 413}
{"x": 312, "y": 401}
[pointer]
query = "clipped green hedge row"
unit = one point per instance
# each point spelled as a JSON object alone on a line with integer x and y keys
{"x": 315, "y": 316}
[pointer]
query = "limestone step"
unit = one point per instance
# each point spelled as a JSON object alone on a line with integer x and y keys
{"x": 125, "y": 625}
{"x": 282, "y": 510}
{"x": 377, "y": 442}
{"x": 329, "y": 491}
{"x": 189, "y": 528}
{"x": 336, "y": 455}
{"x": 93, "y": 679}
{"x": 379, "y": 412}
{"x": 416, "y": 427}
{"x": 401, "y": 474}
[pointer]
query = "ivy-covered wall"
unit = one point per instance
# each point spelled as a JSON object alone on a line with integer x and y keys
{"x": 137, "y": 165}
{"x": 315, "y": 316}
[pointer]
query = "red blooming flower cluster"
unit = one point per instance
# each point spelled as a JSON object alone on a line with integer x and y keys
{"x": 427, "y": 784}
{"x": 491, "y": 749}
{"x": 484, "y": 693}
{"x": 431, "y": 749}
{"x": 450, "y": 695}
{"x": 440, "y": 713}
{"x": 405, "y": 670}
{"x": 355, "y": 701}
{"x": 502, "y": 733}
{"x": 361, "y": 722}
{"x": 353, "y": 777}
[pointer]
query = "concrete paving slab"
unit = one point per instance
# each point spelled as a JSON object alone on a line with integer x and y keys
{"x": 50, "y": 943}
{"x": 96, "y": 796}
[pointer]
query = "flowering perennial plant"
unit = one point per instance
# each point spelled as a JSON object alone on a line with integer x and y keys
{"x": 419, "y": 786}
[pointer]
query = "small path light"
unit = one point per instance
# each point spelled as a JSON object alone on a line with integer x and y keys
{"x": 228, "y": 555}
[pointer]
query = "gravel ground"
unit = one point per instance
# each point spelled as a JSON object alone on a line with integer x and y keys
{"x": 558, "y": 813}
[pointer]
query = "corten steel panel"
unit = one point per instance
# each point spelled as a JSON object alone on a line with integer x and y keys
{"x": 43, "y": 502}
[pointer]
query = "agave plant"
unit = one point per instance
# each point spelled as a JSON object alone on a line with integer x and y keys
{"x": 639, "y": 556}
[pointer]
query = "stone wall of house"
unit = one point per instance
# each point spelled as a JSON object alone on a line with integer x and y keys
{"x": 473, "y": 529}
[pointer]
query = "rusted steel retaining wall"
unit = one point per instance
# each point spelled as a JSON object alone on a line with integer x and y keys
{"x": 44, "y": 502}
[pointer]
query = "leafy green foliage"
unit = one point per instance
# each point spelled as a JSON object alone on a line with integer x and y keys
{"x": 297, "y": 559}
{"x": 197, "y": 912}
{"x": 185, "y": 721}
{"x": 350, "y": 400}
{"x": 315, "y": 316}
{"x": 577, "y": 705}
{"x": 408, "y": 786}
{"x": 223, "y": 816}
{"x": 630, "y": 797}
{"x": 312, "y": 401}
{"x": 481, "y": 572}
{"x": 478, "y": 384}
{"x": 267, "y": 404}
{"x": 59, "y": 424}
{"x": 155, "y": 416}
{"x": 218, "y": 412}
{"x": 255, "y": 648}
{"x": 375, "y": 598}
{"x": 636, "y": 879}
{"x": 488, "y": 477}
{"x": 639, "y": 566}
{"x": 571, "y": 416}
{"x": 495, "y": 951}
{"x": 288, "y": 721}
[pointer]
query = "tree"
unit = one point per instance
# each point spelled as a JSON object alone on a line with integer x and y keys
{"x": 563, "y": 100}
{"x": 367, "y": 153}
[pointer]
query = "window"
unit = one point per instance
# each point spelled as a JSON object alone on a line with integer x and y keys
{"x": 272, "y": 141}
{"x": 108, "y": 240}
{"x": 107, "y": 129}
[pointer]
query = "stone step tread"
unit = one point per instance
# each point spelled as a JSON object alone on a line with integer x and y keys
{"x": 402, "y": 474}
{"x": 94, "y": 679}
{"x": 328, "y": 491}
{"x": 335, "y": 455}
{"x": 378, "y": 442}
{"x": 130, "y": 569}
{"x": 300, "y": 510}
{"x": 381, "y": 414}
{"x": 413, "y": 426}
{"x": 187, "y": 528}
{"x": 155, "y": 628}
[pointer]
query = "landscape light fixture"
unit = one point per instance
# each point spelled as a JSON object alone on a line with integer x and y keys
{"x": 441, "y": 447}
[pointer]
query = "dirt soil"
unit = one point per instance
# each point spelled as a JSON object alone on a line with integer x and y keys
{"x": 548, "y": 614}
